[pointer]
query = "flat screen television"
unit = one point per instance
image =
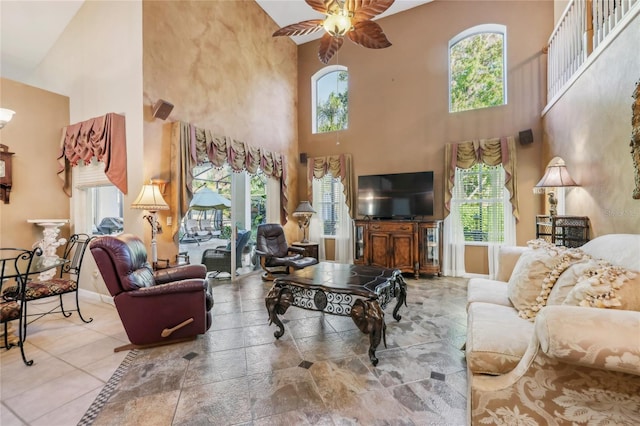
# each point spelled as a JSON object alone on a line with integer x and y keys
{"x": 396, "y": 196}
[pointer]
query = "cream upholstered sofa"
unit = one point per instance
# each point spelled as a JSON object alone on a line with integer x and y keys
{"x": 558, "y": 358}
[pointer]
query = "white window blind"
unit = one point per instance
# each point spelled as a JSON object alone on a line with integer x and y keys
{"x": 92, "y": 174}
{"x": 479, "y": 196}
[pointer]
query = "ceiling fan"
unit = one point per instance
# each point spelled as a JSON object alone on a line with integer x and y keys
{"x": 344, "y": 17}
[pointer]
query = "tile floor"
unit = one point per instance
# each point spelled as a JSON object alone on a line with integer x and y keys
{"x": 238, "y": 373}
{"x": 72, "y": 363}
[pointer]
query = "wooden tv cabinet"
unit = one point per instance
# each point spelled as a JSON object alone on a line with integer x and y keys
{"x": 408, "y": 245}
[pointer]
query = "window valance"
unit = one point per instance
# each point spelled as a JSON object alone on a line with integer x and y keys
{"x": 101, "y": 137}
{"x": 339, "y": 166}
{"x": 488, "y": 151}
{"x": 197, "y": 146}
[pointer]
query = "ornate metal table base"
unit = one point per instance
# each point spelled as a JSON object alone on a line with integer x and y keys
{"x": 364, "y": 295}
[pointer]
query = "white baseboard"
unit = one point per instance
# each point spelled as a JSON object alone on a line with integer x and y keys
{"x": 96, "y": 297}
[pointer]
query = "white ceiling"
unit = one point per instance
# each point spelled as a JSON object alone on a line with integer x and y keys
{"x": 28, "y": 28}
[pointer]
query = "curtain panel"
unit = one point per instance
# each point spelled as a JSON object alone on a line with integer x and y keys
{"x": 488, "y": 151}
{"x": 196, "y": 146}
{"x": 340, "y": 166}
{"x": 101, "y": 137}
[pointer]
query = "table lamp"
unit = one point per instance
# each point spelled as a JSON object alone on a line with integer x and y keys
{"x": 303, "y": 213}
{"x": 556, "y": 176}
{"x": 150, "y": 199}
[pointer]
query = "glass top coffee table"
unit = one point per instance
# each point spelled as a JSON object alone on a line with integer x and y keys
{"x": 358, "y": 291}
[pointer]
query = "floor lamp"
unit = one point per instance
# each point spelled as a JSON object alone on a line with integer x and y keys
{"x": 150, "y": 199}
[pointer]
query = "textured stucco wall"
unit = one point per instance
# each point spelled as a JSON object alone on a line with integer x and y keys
{"x": 218, "y": 64}
{"x": 590, "y": 128}
{"x": 398, "y": 98}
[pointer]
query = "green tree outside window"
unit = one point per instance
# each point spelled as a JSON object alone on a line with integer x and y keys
{"x": 332, "y": 105}
{"x": 477, "y": 72}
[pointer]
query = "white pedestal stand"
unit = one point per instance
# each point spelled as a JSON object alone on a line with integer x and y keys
{"x": 49, "y": 243}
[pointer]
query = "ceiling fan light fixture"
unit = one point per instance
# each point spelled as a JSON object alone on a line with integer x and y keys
{"x": 337, "y": 25}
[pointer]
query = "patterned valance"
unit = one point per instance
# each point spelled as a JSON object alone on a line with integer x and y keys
{"x": 488, "y": 151}
{"x": 101, "y": 137}
{"x": 339, "y": 166}
{"x": 197, "y": 146}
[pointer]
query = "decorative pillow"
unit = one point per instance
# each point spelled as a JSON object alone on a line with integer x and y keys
{"x": 607, "y": 286}
{"x": 568, "y": 279}
{"x": 567, "y": 258}
{"x": 533, "y": 266}
{"x": 509, "y": 256}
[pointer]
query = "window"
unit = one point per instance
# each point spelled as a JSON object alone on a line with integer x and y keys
{"x": 329, "y": 202}
{"x": 100, "y": 204}
{"x": 329, "y": 99}
{"x": 477, "y": 64}
{"x": 479, "y": 193}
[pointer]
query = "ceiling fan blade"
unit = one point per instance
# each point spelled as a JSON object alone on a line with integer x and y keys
{"x": 368, "y": 34}
{"x": 329, "y": 45}
{"x": 301, "y": 28}
{"x": 367, "y": 9}
{"x": 318, "y": 5}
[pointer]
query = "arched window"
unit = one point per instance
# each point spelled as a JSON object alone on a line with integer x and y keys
{"x": 329, "y": 99}
{"x": 477, "y": 68}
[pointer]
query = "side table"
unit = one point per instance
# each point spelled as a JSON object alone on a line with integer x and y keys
{"x": 310, "y": 249}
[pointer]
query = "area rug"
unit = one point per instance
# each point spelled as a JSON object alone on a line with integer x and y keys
{"x": 107, "y": 390}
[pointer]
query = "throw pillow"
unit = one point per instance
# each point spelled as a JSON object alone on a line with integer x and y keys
{"x": 533, "y": 266}
{"x": 567, "y": 258}
{"x": 509, "y": 256}
{"x": 607, "y": 286}
{"x": 568, "y": 279}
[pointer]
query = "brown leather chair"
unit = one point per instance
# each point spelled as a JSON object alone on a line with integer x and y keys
{"x": 275, "y": 253}
{"x": 156, "y": 308}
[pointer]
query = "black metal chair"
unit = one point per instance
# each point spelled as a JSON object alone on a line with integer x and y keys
{"x": 67, "y": 281}
{"x": 276, "y": 256}
{"x": 15, "y": 265}
{"x": 219, "y": 259}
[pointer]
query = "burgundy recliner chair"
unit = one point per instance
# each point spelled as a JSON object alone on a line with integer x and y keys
{"x": 155, "y": 308}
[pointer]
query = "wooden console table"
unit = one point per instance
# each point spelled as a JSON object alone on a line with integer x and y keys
{"x": 408, "y": 245}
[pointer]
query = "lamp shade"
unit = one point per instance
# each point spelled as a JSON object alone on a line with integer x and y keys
{"x": 150, "y": 199}
{"x": 304, "y": 208}
{"x": 5, "y": 116}
{"x": 556, "y": 175}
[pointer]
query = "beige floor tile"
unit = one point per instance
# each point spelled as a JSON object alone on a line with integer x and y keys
{"x": 68, "y": 414}
{"x": 8, "y": 418}
{"x": 93, "y": 352}
{"x": 53, "y": 394}
{"x": 18, "y": 378}
{"x": 241, "y": 373}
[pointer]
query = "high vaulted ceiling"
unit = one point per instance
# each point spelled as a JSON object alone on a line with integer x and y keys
{"x": 28, "y": 29}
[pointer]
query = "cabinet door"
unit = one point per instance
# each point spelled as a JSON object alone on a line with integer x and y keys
{"x": 402, "y": 251}
{"x": 379, "y": 249}
{"x": 430, "y": 247}
{"x": 359, "y": 247}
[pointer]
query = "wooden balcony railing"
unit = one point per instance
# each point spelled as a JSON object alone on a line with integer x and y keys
{"x": 584, "y": 26}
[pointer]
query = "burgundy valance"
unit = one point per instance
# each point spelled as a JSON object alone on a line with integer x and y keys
{"x": 101, "y": 137}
